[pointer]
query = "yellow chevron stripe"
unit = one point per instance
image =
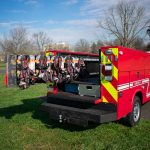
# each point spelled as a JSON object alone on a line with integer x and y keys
{"x": 110, "y": 88}
{"x": 104, "y": 58}
{"x": 108, "y": 85}
{"x": 115, "y": 72}
{"x": 104, "y": 99}
{"x": 115, "y": 51}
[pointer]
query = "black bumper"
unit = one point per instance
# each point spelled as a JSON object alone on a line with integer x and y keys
{"x": 97, "y": 114}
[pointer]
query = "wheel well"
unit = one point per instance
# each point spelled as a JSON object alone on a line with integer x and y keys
{"x": 140, "y": 95}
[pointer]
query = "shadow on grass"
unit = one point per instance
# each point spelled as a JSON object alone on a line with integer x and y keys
{"x": 33, "y": 106}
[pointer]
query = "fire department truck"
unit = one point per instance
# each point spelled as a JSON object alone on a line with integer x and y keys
{"x": 114, "y": 85}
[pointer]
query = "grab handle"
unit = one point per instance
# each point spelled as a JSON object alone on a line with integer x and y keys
{"x": 89, "y": 87}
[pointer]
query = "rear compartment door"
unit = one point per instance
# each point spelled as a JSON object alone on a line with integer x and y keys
{"x": 109, "y": 74}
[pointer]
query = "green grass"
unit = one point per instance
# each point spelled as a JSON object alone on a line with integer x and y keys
{"x": 24, "y": 126}
{"x": 2, "y": 65}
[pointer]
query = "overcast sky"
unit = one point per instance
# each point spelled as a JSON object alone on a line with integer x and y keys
{"x": 62, "y": 20}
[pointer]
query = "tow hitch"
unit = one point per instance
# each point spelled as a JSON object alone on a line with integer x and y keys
{"x": 60, "y": 119}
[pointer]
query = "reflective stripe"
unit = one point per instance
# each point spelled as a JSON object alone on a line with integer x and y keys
{"x": 115, "y": 51}
{"x": 32, "y": 61}
{"x": 36, "y": 61}
{"x": 50, "y": 61}
{"x": 115, "y": 72}
{"x": 133, "y": 84}
{"x": 123, "y": 87}
{"x": 104, "y": 99}
{"x": 110, "y": 88}
{"x": 104, "y": 58}
{"x": 145, "y": 80}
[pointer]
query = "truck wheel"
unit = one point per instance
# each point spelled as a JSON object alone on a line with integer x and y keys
{"x": 134, "y": 117}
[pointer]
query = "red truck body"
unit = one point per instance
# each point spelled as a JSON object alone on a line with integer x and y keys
{"x": 124, "y": 77}
{"x": 133, "y": 78}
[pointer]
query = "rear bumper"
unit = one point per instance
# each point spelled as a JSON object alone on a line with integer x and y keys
{"x": 79, "y": 116}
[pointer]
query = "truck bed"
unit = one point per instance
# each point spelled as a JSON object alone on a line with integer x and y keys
{"x": 79, "y": 110}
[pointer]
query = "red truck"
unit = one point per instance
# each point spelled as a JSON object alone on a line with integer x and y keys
{"x": 117, "y": 88}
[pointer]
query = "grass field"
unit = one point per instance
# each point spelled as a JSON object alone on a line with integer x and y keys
{"x": 24, "y": 126}
{"x": 2, "y": 65}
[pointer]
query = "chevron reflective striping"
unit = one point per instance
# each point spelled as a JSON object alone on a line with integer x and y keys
{"x": 115, "y": 72}
{"x": 104, "y": 58}
{"x": 111, "y": 89}
{"x": 115, "y": 51}
{"x": 133, "y": 84}
{"x": 108, "y": 96}
{"x": 104, "y": 99}
{"x": 123, "y": 87}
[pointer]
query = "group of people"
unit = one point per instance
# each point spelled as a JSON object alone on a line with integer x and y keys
{"x": 56, "y": 69}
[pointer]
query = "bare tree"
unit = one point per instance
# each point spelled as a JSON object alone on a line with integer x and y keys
{"x": 126, "y": 22}
{"x": 61, "y": 46}
{"x": 41, "y": 39}
{"x": 139, "y": 44}
{"x": 18, "y": 36}
{"x": 6, "y": 46}
{"x": 148, "y": 47}
{"x": 82, "y": 45}
{"x": 94, "y": 48}
{"x": 97, "y": 45}
{"x": 16, "y": 42}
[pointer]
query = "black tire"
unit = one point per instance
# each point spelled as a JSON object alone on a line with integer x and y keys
{"x": 133, "y": 118}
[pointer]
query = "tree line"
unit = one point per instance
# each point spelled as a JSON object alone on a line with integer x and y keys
{"x": 125, "y": 23}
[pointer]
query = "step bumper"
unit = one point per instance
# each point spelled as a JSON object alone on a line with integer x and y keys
{"x": 77, "y": 116}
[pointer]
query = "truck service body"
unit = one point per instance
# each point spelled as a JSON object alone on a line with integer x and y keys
{"x": 122, "y": 87}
